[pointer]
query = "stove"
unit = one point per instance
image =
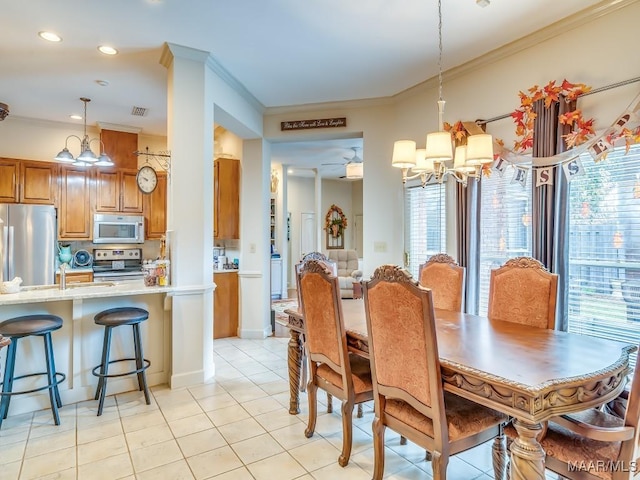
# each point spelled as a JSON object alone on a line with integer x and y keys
{"x": 113, "y": 264}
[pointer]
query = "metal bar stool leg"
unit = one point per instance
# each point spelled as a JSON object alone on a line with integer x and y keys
{"x": 104, "y": 370}
{"x": 53, "y": 370}
{"x": 8, "y": 378}
{"x": 51, "y": 378}
{"x": 142, "y": 377}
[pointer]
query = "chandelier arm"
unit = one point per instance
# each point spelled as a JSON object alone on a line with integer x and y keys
{"x": 72, "y": 136}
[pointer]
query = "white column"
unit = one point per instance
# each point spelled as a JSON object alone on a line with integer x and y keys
{"x": 255, "y": 293}
{"x": 318, "y": 209}
{"x": 190, "y": 139}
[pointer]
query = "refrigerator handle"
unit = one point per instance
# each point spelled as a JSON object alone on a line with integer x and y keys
{"x": 10, "y": 260}
{"x": 5, "y": 254}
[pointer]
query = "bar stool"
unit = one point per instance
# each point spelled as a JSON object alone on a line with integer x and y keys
{"x": 40, "y": 325}
{"x": 111, "y": 318}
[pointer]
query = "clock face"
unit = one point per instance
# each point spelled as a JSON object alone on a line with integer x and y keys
{"x": 147, "y": 179}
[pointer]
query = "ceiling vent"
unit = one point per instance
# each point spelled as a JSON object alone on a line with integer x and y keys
{"x": 139, "y": 111}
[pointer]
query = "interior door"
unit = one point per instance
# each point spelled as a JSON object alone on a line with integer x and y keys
{"x": 307, "y": 234}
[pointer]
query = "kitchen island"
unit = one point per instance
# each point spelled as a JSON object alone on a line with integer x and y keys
{"x": 78, "y": 344}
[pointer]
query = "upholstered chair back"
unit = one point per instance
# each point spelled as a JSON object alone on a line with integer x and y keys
{"x": 402, "y": 340}
{"x": 322, "y": 309}
{"x": 445, "y": 278}
{"x": 314, "y": 256}
{"x": 523, "y": 291}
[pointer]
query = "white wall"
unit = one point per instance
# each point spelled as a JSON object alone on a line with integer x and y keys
{"x": 300, "y": 200}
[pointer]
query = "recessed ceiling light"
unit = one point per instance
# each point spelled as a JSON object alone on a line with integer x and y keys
{"x": 49, "y": 36}
{"x": 107, "y": 50}
{"x": 76, "y": 117}
{"x": 102, "y": 83}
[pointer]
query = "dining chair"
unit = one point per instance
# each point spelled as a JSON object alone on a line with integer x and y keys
{"x": 594, "y": 444}
{"x": 523, "y": 291}
{"x": 332, "y": 368}
{"x": 407, "y": 383}
{"x": 445, "y": 278}
{"x": 303, "y": 374}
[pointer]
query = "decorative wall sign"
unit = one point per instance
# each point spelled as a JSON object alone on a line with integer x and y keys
{"x": 317, "y": 123}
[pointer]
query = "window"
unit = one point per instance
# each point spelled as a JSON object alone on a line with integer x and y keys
{"x": 505, "y": 226}
{"x": 604, "y": 247}
{"x": 425, "y": 224}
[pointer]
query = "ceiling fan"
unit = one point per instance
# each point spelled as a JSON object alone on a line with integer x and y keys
{"x": 354, "y": 171}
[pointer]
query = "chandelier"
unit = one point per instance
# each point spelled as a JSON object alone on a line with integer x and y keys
{"x": 434, "y": 161}
{"x": 86, "y": 157}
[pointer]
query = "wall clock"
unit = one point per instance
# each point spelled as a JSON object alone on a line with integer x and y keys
{"x": 147, "y": 179}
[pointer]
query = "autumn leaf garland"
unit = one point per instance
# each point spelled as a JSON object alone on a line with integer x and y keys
{"x": 524, "y": 117}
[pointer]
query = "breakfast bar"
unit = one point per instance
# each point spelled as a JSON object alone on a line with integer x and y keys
{"x": 78, "y": 344}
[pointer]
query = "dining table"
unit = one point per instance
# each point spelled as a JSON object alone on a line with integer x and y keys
{"x": 531, "y": 374}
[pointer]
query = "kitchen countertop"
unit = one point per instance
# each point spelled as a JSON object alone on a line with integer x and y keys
{"x": 76, "y": 270}
{"x": 230, "y": 270}
{"x": 52, "y": 293}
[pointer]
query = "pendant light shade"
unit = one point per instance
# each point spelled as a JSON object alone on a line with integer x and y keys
{"x": 423, "y": 164}
{"x": 439, "y": 146}
{"x": 404, "y": 154}
{"x": 354, "y": 170}
{"x": 479, "y": 149}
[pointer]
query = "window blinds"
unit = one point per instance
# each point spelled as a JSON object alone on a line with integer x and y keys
{"x": 425, "y": 224}
{"x": 604, "y": 247}
{"x": 505, "y": 225}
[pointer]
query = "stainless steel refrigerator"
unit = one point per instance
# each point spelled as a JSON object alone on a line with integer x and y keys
{"x": 28, "y": 247}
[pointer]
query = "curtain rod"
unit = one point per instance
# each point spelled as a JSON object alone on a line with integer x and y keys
{"x": 595, "y": 90}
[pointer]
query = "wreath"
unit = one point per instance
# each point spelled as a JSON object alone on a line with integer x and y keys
{"x": 524, "y": 116}
{"x": 335, "y": 221}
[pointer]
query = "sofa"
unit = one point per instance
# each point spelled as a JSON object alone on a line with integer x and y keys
{"x": 348, "y": 273}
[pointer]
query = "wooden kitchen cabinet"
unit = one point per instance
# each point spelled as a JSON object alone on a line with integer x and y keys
{"x": 38, "y": 182}
{"x": 117, "y": 191}
{"x": 226, "y": 198}
{"x": 155, "y": 209}
{"x": 120, "y": 146}
{"x": 9, "y": 180}
{"x": 225, "y": 305}
{"x": 74, "y": 212}
{"x": 76, "y": 277}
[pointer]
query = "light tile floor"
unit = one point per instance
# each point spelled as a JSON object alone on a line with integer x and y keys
{"x": 236, "y": 427}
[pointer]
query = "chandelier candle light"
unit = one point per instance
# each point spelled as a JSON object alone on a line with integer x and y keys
{"x": 86, "y": 157}
{"x": 431, "y": 162}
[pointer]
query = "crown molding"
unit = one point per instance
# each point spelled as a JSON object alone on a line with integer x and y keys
{"x": 217, "y": 68}
{"x": 576, "y": 20}
{"x": 337, "y": 105}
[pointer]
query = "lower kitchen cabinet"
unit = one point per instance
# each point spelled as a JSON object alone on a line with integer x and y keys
{"x": 225, "y": 305}
{"x": 76, "y": 277}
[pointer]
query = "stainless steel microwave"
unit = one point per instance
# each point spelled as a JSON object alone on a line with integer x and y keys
{"x": 118, "y": 228}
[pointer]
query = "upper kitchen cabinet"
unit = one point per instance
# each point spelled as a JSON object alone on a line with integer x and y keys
{"x": 226, "y": 198}
{"x": 38, "y": 182}
{"x": 9, "y": 177}
{"x": 117, "y": 191}
{"x": 121, "y": 147}
{"x": 74, "y": 213}
{"x": 23, "y": 181}
{"x": 155, "y": 209}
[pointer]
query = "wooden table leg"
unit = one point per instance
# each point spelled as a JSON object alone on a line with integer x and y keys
{"x": 294, "y": 361}
{"x": 527, "y": 455}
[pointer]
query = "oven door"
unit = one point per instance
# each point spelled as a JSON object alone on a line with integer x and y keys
{"x": 117, "y": 276}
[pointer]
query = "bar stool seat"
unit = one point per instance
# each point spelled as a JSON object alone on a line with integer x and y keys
{"x": 110, "y": 319}
{"x": 25, "y": 326}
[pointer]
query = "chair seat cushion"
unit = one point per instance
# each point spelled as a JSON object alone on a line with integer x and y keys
{"x": 121, "y": 316}
{"x": 36, "y": 324}
{"x": 464, "y": 418}
{"x": 567, "y": 446}
{"x": 360, "y": 373}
